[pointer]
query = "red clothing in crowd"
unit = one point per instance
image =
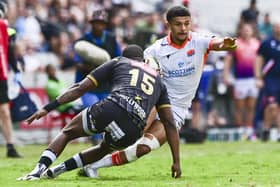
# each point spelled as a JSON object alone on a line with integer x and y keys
{"x": 4, "y": 39}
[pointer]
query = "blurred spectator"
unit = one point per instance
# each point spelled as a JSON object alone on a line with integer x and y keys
{"x": 100, "y": 37}
{"x": 267, "y": 73}
{"x": 250, "y": 15}
{"x": 29, "y": 29}
{"x": 218, "y": 99}
{"x": 245, "y": 90}
{"x": 265, "y": 28}
{"x": 66, "y": 51}
{"x": 55, "y": 87}
{"x": 148, "y": 29}
{"x": 5, "y": 116}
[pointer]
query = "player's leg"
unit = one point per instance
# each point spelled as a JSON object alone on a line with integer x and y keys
{"x": 154, "y": 136}
{"x": 152, "y": 139}
{"x": 7, "y": 130}
{"x": 250, "y": 113}
{"x": 71, "y": 131}
{"x": 79, "y": 160}
{"x": 251, "y": 102}
{"x": 240, "y": 92}
{"x": 120, "y": 131}
{"x": 6, "y": 122}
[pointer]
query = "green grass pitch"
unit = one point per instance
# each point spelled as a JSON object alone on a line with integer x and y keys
{"x": 236, "y": 164}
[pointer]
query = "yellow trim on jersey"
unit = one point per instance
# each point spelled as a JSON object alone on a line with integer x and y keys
{"x": 163, "y": 106}
{"x": 93, "y": 80}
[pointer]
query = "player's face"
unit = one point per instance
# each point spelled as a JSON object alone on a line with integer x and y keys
{"x": 246, "y": 31}
{"x": 180, "y": 27}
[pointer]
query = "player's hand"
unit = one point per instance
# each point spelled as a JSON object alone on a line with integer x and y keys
{"x": 259, "y": 83}
{"x": 176, "y": 170}
{"x": 230, "y": 43}
{"x": 36, "y": 115}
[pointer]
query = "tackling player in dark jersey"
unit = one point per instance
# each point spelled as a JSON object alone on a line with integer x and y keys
{"x": 122, "y": 116}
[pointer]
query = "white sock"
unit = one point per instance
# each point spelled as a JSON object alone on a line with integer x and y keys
{"x": 104, "y": 162}
{"x": 49, "y": 154}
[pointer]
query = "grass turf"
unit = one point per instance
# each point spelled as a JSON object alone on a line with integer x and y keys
{"x": 252, "y": 164}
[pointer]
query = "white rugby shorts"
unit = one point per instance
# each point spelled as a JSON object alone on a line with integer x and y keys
{"x": 245, "y": 87}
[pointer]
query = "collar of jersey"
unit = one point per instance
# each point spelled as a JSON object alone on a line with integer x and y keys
{"x": 175, "y": 45}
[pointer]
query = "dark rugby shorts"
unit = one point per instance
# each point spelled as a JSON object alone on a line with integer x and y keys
{"x": 119, "y": 127}
{"x": 3, "y": 92}
{"x": 271, "y": 92}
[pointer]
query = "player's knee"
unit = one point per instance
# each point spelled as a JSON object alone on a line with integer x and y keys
{"x": 142, "y": 150}
{"x": 68, "y": 133}
{"x": 145, "y": 144}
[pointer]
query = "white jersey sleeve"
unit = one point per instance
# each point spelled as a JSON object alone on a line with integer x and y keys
{"x": 181, "y": 67}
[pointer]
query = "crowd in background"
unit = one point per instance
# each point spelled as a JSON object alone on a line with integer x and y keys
{"x": 52, "y": 26}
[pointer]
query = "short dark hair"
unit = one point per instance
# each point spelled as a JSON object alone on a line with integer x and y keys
{"x": 134, "y": 52}
{"x": 177, "y": 11}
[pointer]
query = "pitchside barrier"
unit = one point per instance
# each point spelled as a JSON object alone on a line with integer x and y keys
{"x": 224, "y": 134}
{"x": 53, "y": 120}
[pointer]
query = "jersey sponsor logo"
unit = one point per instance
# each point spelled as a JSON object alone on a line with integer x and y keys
{"x": 115, "y": 131}
{"x": 181, "y": 64}
{"x": 190, "y": 52}
{"x": 181, "y": 72}
{"x": 139, "y": 111}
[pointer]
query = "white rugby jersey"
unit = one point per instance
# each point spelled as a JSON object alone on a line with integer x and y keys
{"x": 181, "y": 67}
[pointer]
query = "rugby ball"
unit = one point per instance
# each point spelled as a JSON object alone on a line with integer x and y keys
{"x": 91, "y": 53}
{"x": 153, "y": 63}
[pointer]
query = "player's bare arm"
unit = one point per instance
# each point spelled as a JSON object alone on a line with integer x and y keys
{"x": 223, "y": 44}
{"x": 76, "y": 91}
{"x": 258, "y": 71}
{"x": 73, "y": 93}
{"x": 172, "y": 136}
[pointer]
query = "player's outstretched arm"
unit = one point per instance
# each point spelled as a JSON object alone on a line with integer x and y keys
{"x": 172, "y": 136}
{"x": 73, "y": 93}
{"x": 223, "y": 44}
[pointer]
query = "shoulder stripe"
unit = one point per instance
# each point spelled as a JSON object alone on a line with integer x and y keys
{"x": 93, "y": 80}
{"x": 210, "y": 46}
{"x": 164, "y": 106}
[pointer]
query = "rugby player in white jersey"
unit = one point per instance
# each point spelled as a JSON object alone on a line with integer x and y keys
{"x": 181, "y": 56}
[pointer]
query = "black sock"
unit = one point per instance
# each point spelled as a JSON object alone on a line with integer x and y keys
{"x": 74, "y": 162}
{"x": 47, "y": 157}
{"x": 10, "y": 146}
{"x": 46, "y": 161}
{"x": 70, "y": 164}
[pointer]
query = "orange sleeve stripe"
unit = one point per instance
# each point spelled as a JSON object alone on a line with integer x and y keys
{"x": 210, "y": 46}
{"x": 205, "y": 56}
{"x": 93, "y": 80}
{"x": 164, "y": 106}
